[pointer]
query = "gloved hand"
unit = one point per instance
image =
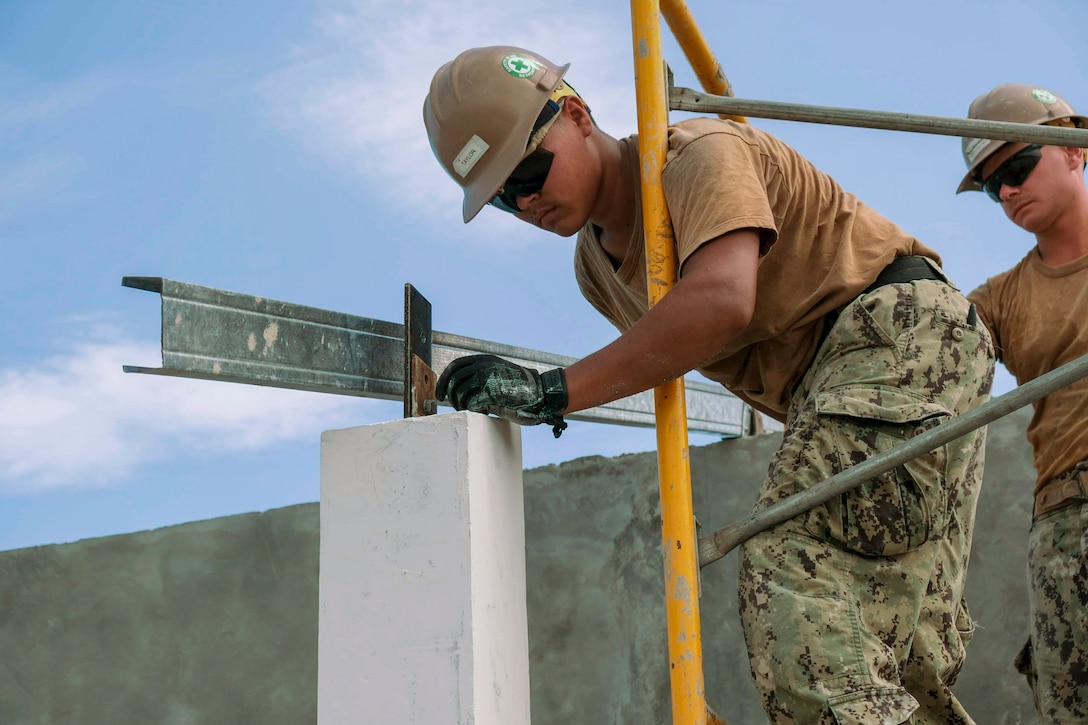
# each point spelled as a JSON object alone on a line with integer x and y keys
{"x": 489, "y": 384}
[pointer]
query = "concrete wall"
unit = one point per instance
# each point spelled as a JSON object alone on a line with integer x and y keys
{"x": 209, "y": 622}
{"x": 216, "y": 622}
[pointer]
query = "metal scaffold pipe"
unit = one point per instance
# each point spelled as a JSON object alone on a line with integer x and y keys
{"x": 687, "y": 99}
{"x": 717, "y": 545}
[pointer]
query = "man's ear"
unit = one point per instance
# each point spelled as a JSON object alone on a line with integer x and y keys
{"x": 575, "y": 109}
{"x": 1075, "y": 157}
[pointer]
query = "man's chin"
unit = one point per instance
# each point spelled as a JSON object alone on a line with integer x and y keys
{"x": 559, "y": 226}
{"x": 1022, "y": 217}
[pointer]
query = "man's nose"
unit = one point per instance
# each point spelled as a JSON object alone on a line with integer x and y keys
{"x": 525, "y": 201}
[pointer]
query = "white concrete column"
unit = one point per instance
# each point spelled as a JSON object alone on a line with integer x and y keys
{"x": 422, "y": 582}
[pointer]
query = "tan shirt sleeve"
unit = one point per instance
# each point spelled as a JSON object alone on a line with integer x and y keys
{"x": 715, "y": 184}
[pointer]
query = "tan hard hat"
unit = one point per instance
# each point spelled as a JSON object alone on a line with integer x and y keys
{"x": 1017, "y": 103}
{"x": 480, "y": 113}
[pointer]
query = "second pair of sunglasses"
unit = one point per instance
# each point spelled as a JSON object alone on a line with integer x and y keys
{"x": 1014, "y": 171}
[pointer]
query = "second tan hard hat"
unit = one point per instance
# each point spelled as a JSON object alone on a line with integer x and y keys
{"x": 1017, "y": 103}
{"x": 480, "y": 112}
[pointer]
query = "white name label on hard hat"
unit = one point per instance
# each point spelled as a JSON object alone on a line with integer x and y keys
{"x": 472, "y": 152}
{"x": 974, "y": 148}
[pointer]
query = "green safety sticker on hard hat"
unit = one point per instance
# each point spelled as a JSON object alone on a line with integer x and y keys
{"x": 520, "y": 66}
{"x": 1044, "y": 96}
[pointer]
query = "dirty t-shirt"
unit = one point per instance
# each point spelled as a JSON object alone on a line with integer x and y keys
{"x": 820, "y": 248}
{"x": 1038, "y": 317}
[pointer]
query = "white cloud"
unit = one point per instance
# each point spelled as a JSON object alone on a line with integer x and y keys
{"x": 77, "y": 421}
{"x": 354, "y": 92}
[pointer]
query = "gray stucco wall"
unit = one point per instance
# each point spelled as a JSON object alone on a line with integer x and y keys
{"x": 208, "y": 622}
{"x": 216, "y": 621}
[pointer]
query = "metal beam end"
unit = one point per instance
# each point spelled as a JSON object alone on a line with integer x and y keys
{"x": 151, "y": 284}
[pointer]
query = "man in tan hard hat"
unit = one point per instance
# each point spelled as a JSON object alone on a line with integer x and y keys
{"x": 802, "y": 301}
{"x": 1037, "y": 313}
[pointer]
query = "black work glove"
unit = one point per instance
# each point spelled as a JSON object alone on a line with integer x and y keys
{"x": 489, "y": 384}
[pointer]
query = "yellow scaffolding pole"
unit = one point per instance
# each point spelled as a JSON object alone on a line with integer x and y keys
{"x": 691, "y": 40}
{"x": 678, "y": 535}
{"x": 681, "y": 559}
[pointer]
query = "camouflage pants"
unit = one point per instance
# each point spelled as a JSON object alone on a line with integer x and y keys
{"x": 1056, "y": 658}
{"x": 853, "y": 612}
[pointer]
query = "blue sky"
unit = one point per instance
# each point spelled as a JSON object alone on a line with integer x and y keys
{"x": 277, "y": 149}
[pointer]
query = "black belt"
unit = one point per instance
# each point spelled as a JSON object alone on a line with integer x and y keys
{"x": 905, "y": 269}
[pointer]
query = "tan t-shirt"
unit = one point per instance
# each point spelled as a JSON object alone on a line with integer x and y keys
{"x": 1038, "y": 317}
{"x": 820, "y": 248}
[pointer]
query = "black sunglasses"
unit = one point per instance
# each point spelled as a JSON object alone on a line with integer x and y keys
{"x": 1014, "y": 171}
{"x": 528, "y": 177}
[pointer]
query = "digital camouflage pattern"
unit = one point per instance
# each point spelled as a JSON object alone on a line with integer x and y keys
{"x": 854, "y": 612}
{"x": 1056, "y": 659}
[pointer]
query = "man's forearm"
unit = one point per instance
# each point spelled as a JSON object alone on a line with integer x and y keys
{"x": 676, "y": 336}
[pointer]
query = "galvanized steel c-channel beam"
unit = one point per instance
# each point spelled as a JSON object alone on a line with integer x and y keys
{"x": 213, "y": 334}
